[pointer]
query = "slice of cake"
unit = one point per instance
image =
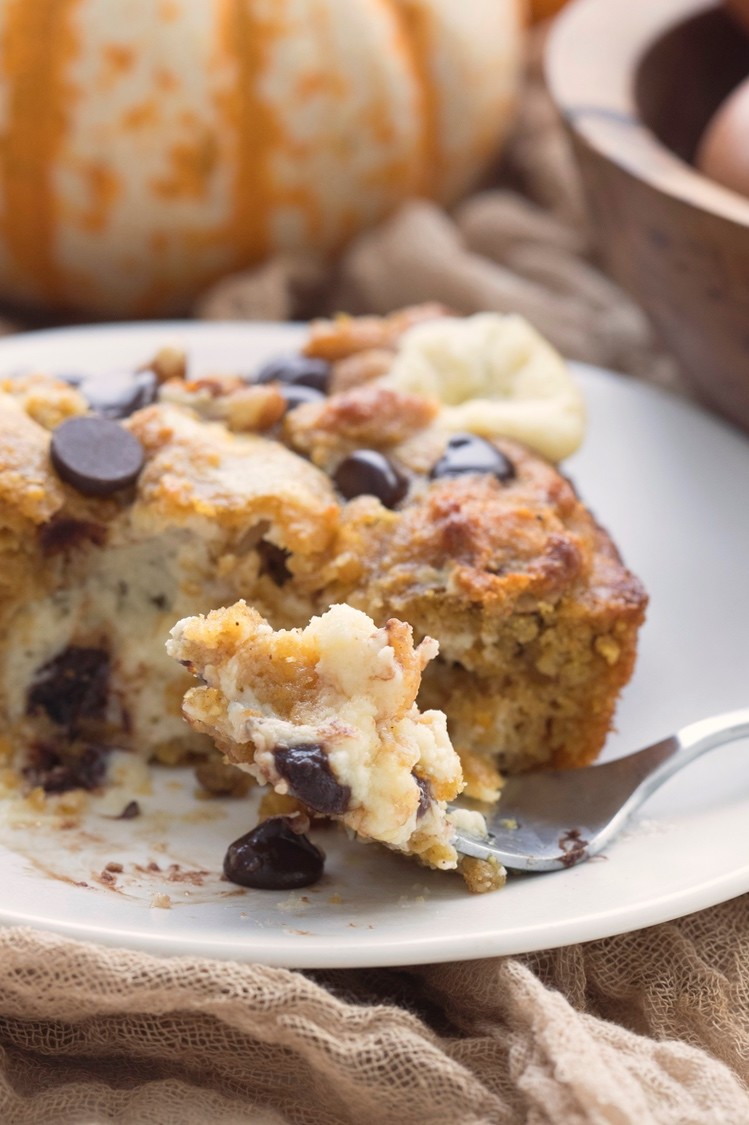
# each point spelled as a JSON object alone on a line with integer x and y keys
{"x": 328, "y": 715}
{"x": 352, "y": 472}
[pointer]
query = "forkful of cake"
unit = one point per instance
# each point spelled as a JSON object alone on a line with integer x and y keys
{"x": 327, "y": 714}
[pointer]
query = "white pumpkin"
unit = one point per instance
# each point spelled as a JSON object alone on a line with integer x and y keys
{"x": 148, "y": 147}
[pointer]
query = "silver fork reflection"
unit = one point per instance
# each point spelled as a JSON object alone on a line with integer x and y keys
{"x": 553, "y": 819}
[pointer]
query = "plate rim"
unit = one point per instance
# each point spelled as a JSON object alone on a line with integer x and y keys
{"x": 386, "y": 951}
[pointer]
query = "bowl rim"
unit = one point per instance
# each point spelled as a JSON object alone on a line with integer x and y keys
{"x": 597, "y": 100}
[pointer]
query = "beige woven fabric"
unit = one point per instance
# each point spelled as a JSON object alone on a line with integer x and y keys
{"x": 651, "y": 1027}
{"x": 648, "y": 1027}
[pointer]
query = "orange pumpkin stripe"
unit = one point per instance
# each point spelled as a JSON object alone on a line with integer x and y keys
{"x": 544, "y": 9}
{"x": 38, "y": 43}
{"x": 247, "y": 38}
{"x": 415, "y": 19}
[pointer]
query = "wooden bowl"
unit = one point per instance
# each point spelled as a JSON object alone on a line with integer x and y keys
{"x": 636, "y": 82}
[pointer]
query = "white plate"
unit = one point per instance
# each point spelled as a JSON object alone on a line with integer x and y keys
{"x": 671, "y": 484}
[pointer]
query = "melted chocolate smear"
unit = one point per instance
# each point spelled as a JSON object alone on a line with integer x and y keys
{"x": 71, "y": 687}
{"x": 64, "y": 533}
{"x": 273, "y": 562}
{"x": 311, "y": 779}
{"x": 573, "y": 847}
{"x": 273, "y": 857}
{"x": 57, "y": 772}
{"x": 425, "y": 795}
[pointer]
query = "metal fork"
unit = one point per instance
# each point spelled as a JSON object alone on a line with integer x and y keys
{"x": 556, "y": 818}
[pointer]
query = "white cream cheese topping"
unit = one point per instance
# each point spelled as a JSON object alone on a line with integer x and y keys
{"x": 495, "y": 376}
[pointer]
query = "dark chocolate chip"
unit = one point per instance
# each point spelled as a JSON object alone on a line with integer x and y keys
{"x": 468, "y": 453}
{"x": 425, "y": 795}
{"x": 310, "y": 778}
{"x": 298, "y": 395}
{"x": 71, "y": 687}
{"x": 273, "y": 562}
{"x": 366, "y": 471}
{"x": 119, "y": 394}
{"x": 58, "y": 771}
{"x": 91, "y": 767}
{"x": 63, "y": 534}
{"x": 96, "y": 455}
{"x": 273, "y": 857}
{"x": 130, "y": 811}
{"x": 296, "y": 370}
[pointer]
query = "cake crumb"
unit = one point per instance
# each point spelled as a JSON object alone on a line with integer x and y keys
{"x": 130, "y": 811}
{"x": 278, "y": 804}
{"x": 482, "y": 875}
{"x": 161, "y": 902}
{"x": 220, "y": 779}
{"x": 170, "y": 362}
{"x": 608, "y": 648}
{"x": 294, "y": 902}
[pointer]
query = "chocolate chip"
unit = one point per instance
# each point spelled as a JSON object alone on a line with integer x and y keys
{"x": 298, "y": 395}
{"x": 64, "y": 533}
{"x": 91, "y": 767}
{"x": 468, "y": 453}
{"x": 368, "y": 472}
{"x": 310, "y": 778}
{"x": 273, "y": 562}
{"x": 296, "y": 370}
{"x": 273, "y": 857}
{"x": 71, "y": 687}
{"x": 425, "y": 795}
{"x": 96, "y": 455}
{"x": 119, "y": 394}
{"x": 130, "y": 811}
{"x": 59, "y": 770}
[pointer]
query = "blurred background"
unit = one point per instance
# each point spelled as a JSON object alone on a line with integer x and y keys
{"x": 584, "y": 164}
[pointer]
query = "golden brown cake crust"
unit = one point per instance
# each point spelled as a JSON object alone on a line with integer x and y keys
{"x": 197, "y": 469}
{"x": 348, "y": 335}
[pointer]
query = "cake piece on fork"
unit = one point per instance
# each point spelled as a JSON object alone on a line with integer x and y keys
{"x": 327, "y": 713}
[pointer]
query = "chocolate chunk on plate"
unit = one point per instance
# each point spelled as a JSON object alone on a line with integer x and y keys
{"x": 273, "y": 857}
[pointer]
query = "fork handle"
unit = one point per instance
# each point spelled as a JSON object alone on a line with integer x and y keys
{"x": 639, "y": 774}
{"x": 664, "y": 758}
{"x": 650, "y": 768}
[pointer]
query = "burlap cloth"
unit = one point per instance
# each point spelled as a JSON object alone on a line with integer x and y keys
{"x": 647, "y": 1027}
